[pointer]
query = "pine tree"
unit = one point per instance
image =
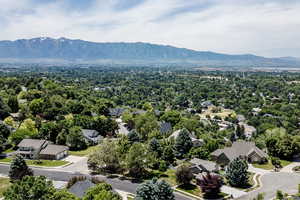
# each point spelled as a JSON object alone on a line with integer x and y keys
{"x": 154, "y": 190}
{"x": 133, "y": 136}
{"x": 168, "y": 155}
{"x": 237, "y": 173}
{"x": 19, "y": 169}
{"x": 154, "y": 146}
{"x": 183, "y": 143}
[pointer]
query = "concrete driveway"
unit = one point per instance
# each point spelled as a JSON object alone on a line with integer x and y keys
{"x": 79, "y": 165}
{"x": 271, "y": 182}
{"x": 289, "y": 168}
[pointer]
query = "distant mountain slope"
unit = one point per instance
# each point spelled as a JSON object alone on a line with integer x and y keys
{"x": 66, "y": 49}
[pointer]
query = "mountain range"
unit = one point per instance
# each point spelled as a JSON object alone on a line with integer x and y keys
{"x": 63, "y": 49}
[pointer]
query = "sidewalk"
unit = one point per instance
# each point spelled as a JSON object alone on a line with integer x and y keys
{"x": 236, "y": 193}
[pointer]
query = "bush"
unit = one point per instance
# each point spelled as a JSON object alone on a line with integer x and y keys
{"x": 163, "y": 166}
{"x": 183, "y": 175}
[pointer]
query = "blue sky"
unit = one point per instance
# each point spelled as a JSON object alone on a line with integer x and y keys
{"x": 263, "y": 27}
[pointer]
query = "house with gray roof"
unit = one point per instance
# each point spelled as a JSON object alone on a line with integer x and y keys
{"x": 116, "y": 112}
{"x": 80, "y": 187}
{"x": 199, "y": 166}
{"x": 92, "y": 136}
{"x": 239, "y": 149}
{"x": 165, "y": 127}
{"x": 42, "y": 149}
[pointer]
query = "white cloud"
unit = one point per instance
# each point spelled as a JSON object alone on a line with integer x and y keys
{"x": 270, "y": 29}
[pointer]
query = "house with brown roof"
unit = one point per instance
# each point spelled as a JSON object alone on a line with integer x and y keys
{"x": 42, "y": 149}
{"x": 239, "y": 149}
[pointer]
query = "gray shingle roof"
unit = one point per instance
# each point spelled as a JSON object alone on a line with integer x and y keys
{"x": 239, "y": 148}
{"x": 52, "y": 149}
{"x": 36, "y": 144}
{"x": 116, "y": 112}
{"x": 165, "y": 127}
{"x": 81, "y": 187}
{"x": 207, "y": 165}
{"x": 92, "y": 135}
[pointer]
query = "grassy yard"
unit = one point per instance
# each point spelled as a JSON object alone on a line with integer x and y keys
{"x": 191, "y": 188}
{"x": 85, "y": 152}
{"x": 44, "y": 163}
{"x": 4, "y": 184}
{"x": 269, "y": 166}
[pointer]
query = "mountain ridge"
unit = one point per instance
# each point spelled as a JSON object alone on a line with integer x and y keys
{"x": 80, "y": 50}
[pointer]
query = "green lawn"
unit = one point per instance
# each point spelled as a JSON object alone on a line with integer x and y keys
{"x": 130, "y": 198}
{"x": 191, "y": 188}
{"x": 4, "y": 184}
{"x": 85, "y": 152}
{"x": 44, "y": 163}
{"x": 168, "y": 176}
{"x": 269, "y": 166}
{"x": 8, "y": 150}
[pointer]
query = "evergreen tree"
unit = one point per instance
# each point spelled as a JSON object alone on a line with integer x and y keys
{"x": 133, "y": 136}
{"x": 237, "y": 173}
{"x": 168, "y": 155}
{"x": 154, "y": 146}
{"x": 19, "y": 169}
{"x": 13, "y": 104}
{"x": 183, "y": 143}
{"x": 154, "y": 190}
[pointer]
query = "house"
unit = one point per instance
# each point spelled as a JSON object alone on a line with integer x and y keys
{"x": 196, "y": 142}
{"x": 206, "y": 104}
{"x": 165, "y": 127}
{"x": 53, "y": 152}
{"x": 80, "y": 187}
{"x": 199, "y": 166}
{"x": 42, "y": 149}
{"x": 92, "y": 136}
{"x": 116, "y": 112}
{"x": 242, "y": 149}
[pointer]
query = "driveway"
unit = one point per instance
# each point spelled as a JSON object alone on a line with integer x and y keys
{"x": 271, "y": 182}
{"x": 79, "y": 165}
{"x": 289, "y": 168}
{"x": 236, "y": 193}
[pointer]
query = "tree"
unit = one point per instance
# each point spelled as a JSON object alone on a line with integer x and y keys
{"x": 168, "y": 154}
{"x": 135, "y": 160}
{"x": 30, "y": 188}
{"x": 145, "y": 124}
{"x": 237, "y": 173}
{"x": 49, "y": 131}
{"x": 105, "y": 158}
{"x": 183, "y": 175}
{"x": 37, "y": 106}
{"x": 13, "y": 104}
{"x": 101, "y": 191}
{"x": 75, "y": 139}
{"x": 154, "y": 190}
{"x": 4, "y": 131}
{"x": 210, "y": 185}
{"x": 63, "y": 195}
{"x": 16, "y": 137}
{"x": 154, "y": 146}
{"x": 171, "y": 116}
{"x": 240, "y": 131}
{"x": 183, "y": 143}
{"x": 19, "y": 169}
{"x": 133, "y": 136}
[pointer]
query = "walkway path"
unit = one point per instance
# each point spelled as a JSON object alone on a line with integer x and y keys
{"x": 236, "y": 193}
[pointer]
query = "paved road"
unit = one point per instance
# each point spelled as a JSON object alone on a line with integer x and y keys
{"x": 271, "y": 182}
{"x": 59, "y": 175}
